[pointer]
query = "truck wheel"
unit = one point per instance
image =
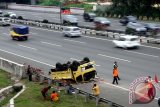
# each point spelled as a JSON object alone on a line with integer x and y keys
{"x": 25, "y": 38}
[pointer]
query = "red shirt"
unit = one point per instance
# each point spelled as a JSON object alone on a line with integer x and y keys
{"x": 44, "y": 90}
{"x": 54, "y": 96}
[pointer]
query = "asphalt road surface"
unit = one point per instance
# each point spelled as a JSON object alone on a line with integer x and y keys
{"x": 55, "y": 17}
{"x": 46, "y": 47}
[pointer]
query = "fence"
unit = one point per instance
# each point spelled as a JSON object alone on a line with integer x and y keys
{"x": 12, "y": 67}
{"x": 88, "y": 31}
{"x": 84, "y": 93}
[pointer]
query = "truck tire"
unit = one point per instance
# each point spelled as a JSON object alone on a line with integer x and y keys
{"x": 86, "y": 59}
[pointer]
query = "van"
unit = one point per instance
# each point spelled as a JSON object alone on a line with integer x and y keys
{"x": 4, "y": 21}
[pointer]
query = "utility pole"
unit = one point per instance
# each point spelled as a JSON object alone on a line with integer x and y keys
{"x": 60, "y": 12}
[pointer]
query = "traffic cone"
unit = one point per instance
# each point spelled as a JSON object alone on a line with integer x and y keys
{"x": 155, "y": 78}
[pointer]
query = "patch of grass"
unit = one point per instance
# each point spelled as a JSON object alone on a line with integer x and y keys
{"x": 32, "y": 97}
{"x": 6, "y": 99}
{"x": 4, "y": 79}
{"x": 87, "y": 7}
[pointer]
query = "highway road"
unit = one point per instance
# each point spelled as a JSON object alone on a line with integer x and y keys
{"x": 54, "y": 17}
{"x": 46, "y": 47}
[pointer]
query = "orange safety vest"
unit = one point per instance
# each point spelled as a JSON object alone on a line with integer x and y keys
{"x": 115, "y": 72}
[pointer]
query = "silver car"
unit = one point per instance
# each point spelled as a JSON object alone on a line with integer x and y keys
{"x": 72, "y": 31}
{"x": 4, "y": 21}
{"x": 70, "y": 19}
{"x": 102, "y": 20}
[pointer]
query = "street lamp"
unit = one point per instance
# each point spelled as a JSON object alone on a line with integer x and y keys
{"x": 60, "y": 11}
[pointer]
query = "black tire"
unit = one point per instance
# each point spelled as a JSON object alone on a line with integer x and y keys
{"x": 26, "y": 38}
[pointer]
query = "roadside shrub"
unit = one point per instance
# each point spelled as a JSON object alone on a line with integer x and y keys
{"x": 45, "y": 21}
{"x": 49, "y": 2}
{"x": 20, "y": 17}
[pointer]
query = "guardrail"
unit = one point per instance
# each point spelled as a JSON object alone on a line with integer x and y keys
{"x": 97, "y": 99}
{"x": 88, "y": 31}
{"x": 87, "y": 95}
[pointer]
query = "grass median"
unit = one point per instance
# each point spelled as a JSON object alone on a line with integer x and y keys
{"x": 4, "y": 82}
{"x": 4, "y": 79}
{"x": 32, "y": 97}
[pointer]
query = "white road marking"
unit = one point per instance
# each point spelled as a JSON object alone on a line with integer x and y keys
{"x": 150, "y": 47}
{"x": 114, "y": 57}
{"x": 142, "y": 53}
{"x": 80, "y": 60}
{"x": 6, "y": 34}
{"x": 27, "y": 47}
{"x": 26, "y": 58}
{"x": 50, "y": 44}
{"x": 75, "y": 41}
{"x": 97, "y": 38}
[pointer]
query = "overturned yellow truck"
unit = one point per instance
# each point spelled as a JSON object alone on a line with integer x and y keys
{"x": 77, "y": 71}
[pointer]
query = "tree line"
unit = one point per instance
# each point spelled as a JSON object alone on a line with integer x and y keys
{"x": 148, "y": 8}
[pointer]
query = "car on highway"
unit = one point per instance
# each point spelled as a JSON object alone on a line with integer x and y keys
{"x": 153, "y": 29}
{"x": 10, "y": 15}
{"x": 152, "y": 26}
{"x": 126, "y": 19}
{"x": 70, "y": 20}
{"x": 101, "y": 23}
{"x": 127, "y": 42}
{"x": 102, "y": 20}
{"x": 19, "y": 32}
{"x": 4, "y": 21}
{"x": 88, "y": 16}
{"x": 136, "y": 29}
{"x": 72, "y": 31}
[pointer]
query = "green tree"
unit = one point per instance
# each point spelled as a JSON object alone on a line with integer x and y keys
{"x": 136, "y": 7}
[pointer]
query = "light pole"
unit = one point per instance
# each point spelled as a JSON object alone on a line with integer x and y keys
{"x": 60, "y": 11}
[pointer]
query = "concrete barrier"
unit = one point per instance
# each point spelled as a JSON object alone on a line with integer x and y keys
{"x": 110, "y": 34}
{"x": 14, "y": 68}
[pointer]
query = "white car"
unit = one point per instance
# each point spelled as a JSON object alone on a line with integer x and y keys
{"x": 12, "y": 14}
{"x": 4, "y": 21}
{"x": 72, "y": 31}
{"x": 127, "y": 42}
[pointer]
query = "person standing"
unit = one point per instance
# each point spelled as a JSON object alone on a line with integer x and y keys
{"x": 115, "y": 74}
{"x": 116, "y": 65}
{"x": 150, "y": 88}
{"x": 96, "y": 90}
{"x": 29, "y": 72}
{"x": 44, "y": 92}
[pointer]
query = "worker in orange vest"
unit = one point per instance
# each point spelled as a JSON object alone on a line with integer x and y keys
{"x": 116, "y": 65}
{"x": 150, "y": 88}
{"x": 115, "y": 75}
